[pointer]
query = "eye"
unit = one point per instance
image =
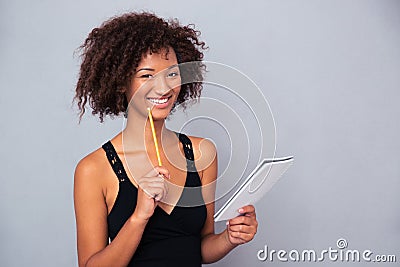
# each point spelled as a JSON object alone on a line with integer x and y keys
{"x": 146, "y": 76}
{"x": 173, "y": 74}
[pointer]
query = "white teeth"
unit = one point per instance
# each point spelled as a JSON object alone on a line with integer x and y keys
{"x": 158, "y": 101}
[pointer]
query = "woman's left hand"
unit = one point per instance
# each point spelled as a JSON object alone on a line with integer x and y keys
{"x": 243, "y": 228}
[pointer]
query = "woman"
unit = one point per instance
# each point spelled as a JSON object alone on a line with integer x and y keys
{"x": 130, "y": 211}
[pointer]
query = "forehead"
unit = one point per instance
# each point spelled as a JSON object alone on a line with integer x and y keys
{"x": 159, "y": 60}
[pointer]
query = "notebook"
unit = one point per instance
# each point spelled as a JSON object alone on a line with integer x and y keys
{"x": 254, "y": 187}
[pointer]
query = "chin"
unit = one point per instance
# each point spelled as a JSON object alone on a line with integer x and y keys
{"x": 160, "y": 114}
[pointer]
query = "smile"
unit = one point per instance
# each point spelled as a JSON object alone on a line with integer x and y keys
{"x": 159, "y": 101}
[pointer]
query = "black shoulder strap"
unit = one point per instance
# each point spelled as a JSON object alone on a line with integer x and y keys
{"x": 115, "y": 162}
{"x": 188, "y": 150}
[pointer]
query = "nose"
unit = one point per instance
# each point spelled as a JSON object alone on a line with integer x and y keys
{"x": 161, "y": 86}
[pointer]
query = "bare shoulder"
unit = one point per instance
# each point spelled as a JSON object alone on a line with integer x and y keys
{"x": 205, "y": 152}
{"x": 202, "y": 147}
{"x": 89, "y": 169}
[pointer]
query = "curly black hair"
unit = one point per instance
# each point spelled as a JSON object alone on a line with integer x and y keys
{"x": 112, "y": 52}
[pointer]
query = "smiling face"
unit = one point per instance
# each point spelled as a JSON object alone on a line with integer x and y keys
{"x": 155, "y": 84}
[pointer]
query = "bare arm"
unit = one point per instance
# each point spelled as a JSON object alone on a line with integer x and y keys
{"x": 240, "y": 230}
{"x": 91, "y": 218}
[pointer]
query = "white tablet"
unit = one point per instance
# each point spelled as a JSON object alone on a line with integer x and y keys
{"x": 256, "y": 185}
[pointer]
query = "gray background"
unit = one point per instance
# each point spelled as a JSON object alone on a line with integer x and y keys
{"x": 330, "y": 70}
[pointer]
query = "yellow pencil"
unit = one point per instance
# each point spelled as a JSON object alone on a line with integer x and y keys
{"x": 153, "y": 130}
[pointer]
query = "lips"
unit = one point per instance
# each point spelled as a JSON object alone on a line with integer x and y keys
{"x": 159, "y": 101}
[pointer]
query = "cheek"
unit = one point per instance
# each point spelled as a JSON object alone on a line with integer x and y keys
{"x": 177, "y": 91}
{"x": 137, "y": 90}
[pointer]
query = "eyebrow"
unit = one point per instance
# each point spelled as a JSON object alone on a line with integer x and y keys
{"x": 173, "y": 66}
{"x": 150, "y": 69}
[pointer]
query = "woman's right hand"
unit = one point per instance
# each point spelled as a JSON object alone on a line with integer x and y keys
{"x": 151, "y": 189}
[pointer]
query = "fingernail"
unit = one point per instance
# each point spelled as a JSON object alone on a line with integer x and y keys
{"x": 241, "y": 210}
{"x": 227, "y": 222}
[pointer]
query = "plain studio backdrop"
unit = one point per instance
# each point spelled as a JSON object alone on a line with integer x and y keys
{"x": 329, "y": 69}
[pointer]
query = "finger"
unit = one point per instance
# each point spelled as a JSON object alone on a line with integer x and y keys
{"x": 243, "y": 229}
{"x": 153, "y": 192}
{"x": 156, "y": 171}
{"x": 152, "y": 173}
{"x": 249, "y": 209}
{"x": 153, "y": 182}
{"x": 163, "y": 171}
{"x": 244, "y": 237}
{"x": 147, "y": 192}
{"x": 150, "y": 180}
{"x": 160, "y": 196}
{"x": 159, "y": 189}
{"x": 242, "y": 220}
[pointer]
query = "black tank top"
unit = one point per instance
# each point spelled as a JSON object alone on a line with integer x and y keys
{"x": 168, "y": 240}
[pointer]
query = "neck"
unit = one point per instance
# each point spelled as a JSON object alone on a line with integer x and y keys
{"x": 138, "y": 134}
